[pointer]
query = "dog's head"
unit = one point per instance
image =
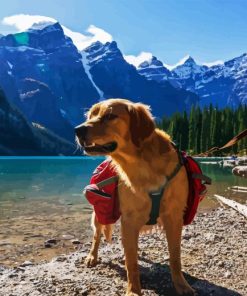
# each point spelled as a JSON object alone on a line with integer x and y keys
{"x": 114, "y": 125}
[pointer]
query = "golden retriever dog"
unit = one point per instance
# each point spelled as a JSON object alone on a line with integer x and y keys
{"x": 143, "y": 156}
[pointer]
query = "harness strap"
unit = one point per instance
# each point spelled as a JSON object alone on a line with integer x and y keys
{"x": 232, "y": 142}
{"x": 108, "y": 181}
{"x": 206, "y": 179}
{"x": 174, "y": 173}
{"x": 156, "y": 196}
{"x": 155, "y": 208}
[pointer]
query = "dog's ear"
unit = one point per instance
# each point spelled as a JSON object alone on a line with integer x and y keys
{"x": 141, "y": 123}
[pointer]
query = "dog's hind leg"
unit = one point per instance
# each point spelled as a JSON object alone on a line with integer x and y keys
{"x": 173, "y": 227}
{"x": 92, "y": 257}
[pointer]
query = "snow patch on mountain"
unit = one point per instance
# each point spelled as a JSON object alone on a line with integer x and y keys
{"x": 23, "y": 48}
{"x": 87, "y": 70}
{"x": 42, "y": 25}
{"x": 211, "y": 64}
{"x": 10, "y": 65}
{"x": 188, "y": 68}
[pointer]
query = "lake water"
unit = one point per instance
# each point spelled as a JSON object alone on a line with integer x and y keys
{"x": 50, "y": 180}
{"x": 41, "y": 198}
{"x": 30, "y": 181}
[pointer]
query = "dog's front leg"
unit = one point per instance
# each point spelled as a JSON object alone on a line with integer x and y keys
{"x": 92, "y": 257}
{"x": 130, "y": 233}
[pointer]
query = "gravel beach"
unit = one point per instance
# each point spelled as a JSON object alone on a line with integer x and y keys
{"x": 214, "y": 252}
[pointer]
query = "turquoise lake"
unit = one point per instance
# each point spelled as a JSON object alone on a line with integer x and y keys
{"x": 28, "y": 181}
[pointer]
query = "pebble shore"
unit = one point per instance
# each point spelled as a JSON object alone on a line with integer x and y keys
{"x": 214, "y": 252}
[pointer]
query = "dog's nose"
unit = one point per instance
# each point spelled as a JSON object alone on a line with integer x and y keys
{"x": 81, "y": 131}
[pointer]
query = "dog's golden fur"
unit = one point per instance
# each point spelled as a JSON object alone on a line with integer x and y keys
{"x": 143, "y": 158}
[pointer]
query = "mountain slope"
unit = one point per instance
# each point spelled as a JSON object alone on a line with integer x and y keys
{"x": 40, "y": 105}
{"x": 45, "y": 54}
{"x": 18, "y": 137}
{"x": 116, "y": 78}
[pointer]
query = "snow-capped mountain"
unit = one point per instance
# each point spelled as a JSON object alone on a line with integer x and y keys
{"x": 154, "y": 69}
{"x": 53, "y": 83}
{"x": 45, "y": 75}
{"x": 46, "y": 54}
{"x": 222, "y": 85}
{"x": 189, "y": 69}
{"x": 117, "y": 78}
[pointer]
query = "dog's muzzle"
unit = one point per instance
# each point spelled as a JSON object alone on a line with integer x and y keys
{"x": 81, "y": 131}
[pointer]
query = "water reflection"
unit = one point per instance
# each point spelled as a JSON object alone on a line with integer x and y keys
{"x": 223, "y": 180}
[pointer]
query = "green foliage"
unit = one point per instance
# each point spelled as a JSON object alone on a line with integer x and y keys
{"x": 206, "y": 128}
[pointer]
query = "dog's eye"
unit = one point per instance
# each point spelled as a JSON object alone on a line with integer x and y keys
{"x": 108, "y": 116}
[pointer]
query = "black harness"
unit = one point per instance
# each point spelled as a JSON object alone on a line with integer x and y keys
{"x": 156, "y": 196}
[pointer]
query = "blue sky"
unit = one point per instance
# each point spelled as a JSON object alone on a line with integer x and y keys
{"x": 208, "y": 30}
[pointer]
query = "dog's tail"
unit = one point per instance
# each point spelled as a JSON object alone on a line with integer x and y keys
{"x": 107, "y": 232}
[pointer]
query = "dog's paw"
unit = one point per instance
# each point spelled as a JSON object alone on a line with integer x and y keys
{"x": 184, "y": 289}
{"x": 91, "y": 260}
{"x": 132, "y": 294}
{"x": 136, "y": 292}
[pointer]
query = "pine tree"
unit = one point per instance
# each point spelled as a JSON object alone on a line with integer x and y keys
{"x": 192, "y": 130}
{"x": 207, "y": 128}
{"x": 215, "y": 128}
{"x": 205, "y": 133}
{"x": 184, "y": 132}
{"x": 242, "y": 125}
{"x": 198, "y": 123}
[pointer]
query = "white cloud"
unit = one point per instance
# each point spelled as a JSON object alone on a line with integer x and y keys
{"x": 137, "y": 60}
{"x": 22, "y": 22}
{"x": 99, "y": 34}
{"x": 82, "y": 41}
{"x": 181, "y": 62}
{"x": 218, "y": 62}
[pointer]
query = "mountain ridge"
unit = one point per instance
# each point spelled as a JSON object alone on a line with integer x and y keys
{"x": 53, "y": 83}
{"x": 222, "y": 85}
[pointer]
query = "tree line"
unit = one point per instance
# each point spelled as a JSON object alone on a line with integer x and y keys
{"x": 205, "y": 128}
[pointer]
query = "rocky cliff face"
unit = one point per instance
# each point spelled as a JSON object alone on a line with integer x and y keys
{"x": 18, "y": 137}
{"x": 40, "y": 105}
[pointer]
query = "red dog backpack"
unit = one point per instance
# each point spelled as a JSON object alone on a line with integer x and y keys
{"x": 197, "y": 187}
{"x": 102, "y": 192}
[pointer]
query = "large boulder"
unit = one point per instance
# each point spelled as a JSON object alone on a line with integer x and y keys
{"x": 240, "y": 171}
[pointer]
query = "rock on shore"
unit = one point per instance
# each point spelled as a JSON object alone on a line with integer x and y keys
{"x": 241, "y": 167}
{"x": 240, "y": 171}
{"x": 214, "y": 252}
